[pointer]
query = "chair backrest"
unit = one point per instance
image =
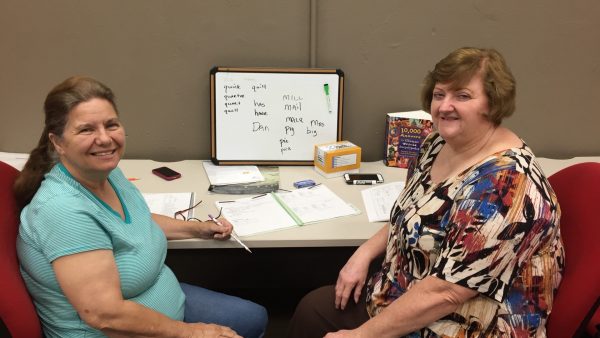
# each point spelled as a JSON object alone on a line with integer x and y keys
{"x": 578, "y": 191}
{"x": 593, "y": 327}
{"x": 16, "y": 308}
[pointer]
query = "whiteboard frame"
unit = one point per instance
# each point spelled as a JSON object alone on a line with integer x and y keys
{"x": 267, "y": 161}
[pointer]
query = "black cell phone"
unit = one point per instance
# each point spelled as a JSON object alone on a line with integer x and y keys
{"x": 363, "y": 178}
{"x": 166, "y": 173}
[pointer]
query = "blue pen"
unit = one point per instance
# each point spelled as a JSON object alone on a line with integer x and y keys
{"x": 326, "y": 88}
{"x": 233, "y": 235}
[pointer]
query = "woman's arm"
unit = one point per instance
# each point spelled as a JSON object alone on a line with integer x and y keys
{"x": 178, "y": 229}
{"x": 424, "y": 303}
{"x": 353, "y": 275}
{"x": 90, "y": 281}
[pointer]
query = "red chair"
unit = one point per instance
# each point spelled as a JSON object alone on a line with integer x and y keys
{"x": 16, "y": 308}
{"x": 593, "y": 327}
{"x": 578, "y": 191}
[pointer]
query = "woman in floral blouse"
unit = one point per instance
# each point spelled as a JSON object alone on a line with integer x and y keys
{"x": 473, "y": 246}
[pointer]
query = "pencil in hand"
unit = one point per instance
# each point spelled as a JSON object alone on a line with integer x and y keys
{"x": 233, "y": 235}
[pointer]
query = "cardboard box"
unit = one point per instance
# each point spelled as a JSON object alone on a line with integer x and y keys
{"x": 337, "y": 158}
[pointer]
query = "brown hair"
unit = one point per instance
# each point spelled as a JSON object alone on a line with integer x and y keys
{"x": 59, "y": 102}
{"x": 461, "y": 65}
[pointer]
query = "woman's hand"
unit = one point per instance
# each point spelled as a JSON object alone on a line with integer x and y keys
{"x": 344, "y": 334}
{"x": 215, "y": 229}
{"x": 351, "y": 278}
{"x": 201, "y": 330}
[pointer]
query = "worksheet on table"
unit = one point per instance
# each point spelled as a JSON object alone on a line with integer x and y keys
{"x": 380, "y": 199}
{"x": 282, "y": 210}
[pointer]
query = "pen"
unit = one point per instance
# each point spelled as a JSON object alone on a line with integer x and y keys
{"x": 326, "y": 88}
{"x": 233, "y": 235}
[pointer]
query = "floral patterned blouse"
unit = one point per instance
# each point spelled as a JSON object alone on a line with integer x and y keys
{"x": 493, "y": 228}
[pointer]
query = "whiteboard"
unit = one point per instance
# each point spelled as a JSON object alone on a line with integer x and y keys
{"x": 273, "y": 116}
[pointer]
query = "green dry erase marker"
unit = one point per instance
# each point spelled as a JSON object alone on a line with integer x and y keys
{"x": 326, "y": 88}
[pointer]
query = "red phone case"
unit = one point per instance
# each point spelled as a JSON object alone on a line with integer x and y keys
{"x": 168, "y": 177}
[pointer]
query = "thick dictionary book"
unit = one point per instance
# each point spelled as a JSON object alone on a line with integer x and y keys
{"x": 404, "y": 134}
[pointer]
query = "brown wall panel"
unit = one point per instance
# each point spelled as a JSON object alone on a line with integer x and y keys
{"x": 156, "y": 55}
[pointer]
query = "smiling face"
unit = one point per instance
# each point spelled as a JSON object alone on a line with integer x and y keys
{"x": 459, "y": 113}
{"x": 93, "y": 140}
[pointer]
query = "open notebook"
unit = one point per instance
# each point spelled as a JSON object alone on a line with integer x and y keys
{"x": 274, "y": 211}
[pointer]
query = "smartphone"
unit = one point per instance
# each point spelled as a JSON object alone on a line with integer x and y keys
{"x": 363, "y": 178}
{"x": 166, "y": 173}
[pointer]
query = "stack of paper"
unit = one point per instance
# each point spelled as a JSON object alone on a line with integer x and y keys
{"x": 222, "y": 175}
{"x": 270, "y": 184}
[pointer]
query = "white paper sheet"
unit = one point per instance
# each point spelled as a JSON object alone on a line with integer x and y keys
{"x": 169, "y": 203}
{"x": 316, "y": 204}
{"x": 380, "y": 199}
{"x": 17, "y": 160}
{"x": 253, "y": 215}
{"x": 223, "y": 175}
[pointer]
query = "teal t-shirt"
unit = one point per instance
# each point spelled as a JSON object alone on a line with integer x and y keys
{"x": 65, "y": 218}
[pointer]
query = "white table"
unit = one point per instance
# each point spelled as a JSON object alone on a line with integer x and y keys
{"x": 345, "y": 231}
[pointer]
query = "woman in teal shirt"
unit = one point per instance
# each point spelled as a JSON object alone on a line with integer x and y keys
{"x": 92, "y": 254}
